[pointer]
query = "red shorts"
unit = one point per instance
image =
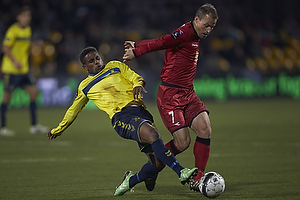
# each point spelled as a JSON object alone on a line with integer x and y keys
{"x": 178, "y": 106}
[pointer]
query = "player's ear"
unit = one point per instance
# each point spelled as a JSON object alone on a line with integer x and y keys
{"x": 85, "y": 67}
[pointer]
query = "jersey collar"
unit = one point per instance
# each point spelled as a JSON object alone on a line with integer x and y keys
{"x": 98, "y": 72}
{"x": 191, "y": 22}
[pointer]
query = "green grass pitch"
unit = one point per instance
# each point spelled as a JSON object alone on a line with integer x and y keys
{"x": 255, "y": 147}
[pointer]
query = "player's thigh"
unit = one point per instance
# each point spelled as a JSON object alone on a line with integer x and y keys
{"x": 169, "y": 108}
{"x": 29, "y": 84}
{"x": 172, "y": 115}
{"x": 201, "y": 125}
{"x": 10, "y": 82}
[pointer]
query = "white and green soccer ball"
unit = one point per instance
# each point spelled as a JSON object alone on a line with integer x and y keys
{"x": 212, "y": 184}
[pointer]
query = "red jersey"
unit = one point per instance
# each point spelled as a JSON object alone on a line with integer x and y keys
{"x": 181, "y": 54}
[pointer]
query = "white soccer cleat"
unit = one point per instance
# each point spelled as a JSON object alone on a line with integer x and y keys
{"x": 6, "y": 132}
{"x": 38, "y": 128}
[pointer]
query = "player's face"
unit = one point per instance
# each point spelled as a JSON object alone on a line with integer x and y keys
{"x": 204, "y": 26}
{"x": 24, "y": 18}
{"x": 93, "y": 63}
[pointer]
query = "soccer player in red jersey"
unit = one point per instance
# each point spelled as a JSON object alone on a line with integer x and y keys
{"x": 178, "y": 104}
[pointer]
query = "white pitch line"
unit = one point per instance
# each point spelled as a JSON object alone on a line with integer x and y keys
{"x": 42, "y": 160}
{"x": 36, "y": 143}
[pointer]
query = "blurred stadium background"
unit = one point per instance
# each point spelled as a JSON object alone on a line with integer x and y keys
{"x": 254, "y": 51}
{"x": 252, "y": 57}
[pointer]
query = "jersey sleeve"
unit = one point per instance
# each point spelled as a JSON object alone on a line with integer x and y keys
{"x": 10, "y": 37}
{"x": 78, "y": 104}
{"x": 164, "y": 42}
{"x": 132, "y": 77}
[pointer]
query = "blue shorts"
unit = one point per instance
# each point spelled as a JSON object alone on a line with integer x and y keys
{"x": 128, "y": 122}
{"x": 12, "y": 81}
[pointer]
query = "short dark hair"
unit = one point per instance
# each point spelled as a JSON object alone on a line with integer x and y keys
{"x": 24, "y": 9}
{"x": 84, "y": 52}
{"x": 207, "y": 9}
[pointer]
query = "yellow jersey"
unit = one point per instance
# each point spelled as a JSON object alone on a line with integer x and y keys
{"x": 18, "y": 39}
{"x": 110, "y": 90}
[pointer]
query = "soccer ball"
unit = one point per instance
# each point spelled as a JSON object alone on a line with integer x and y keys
{"x": 212, "y": 184}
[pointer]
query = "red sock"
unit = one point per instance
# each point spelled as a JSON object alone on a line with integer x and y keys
{"x": 201, "y": 153}
{"x": 175, "y": 151}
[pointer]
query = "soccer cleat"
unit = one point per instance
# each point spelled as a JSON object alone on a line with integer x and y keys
{"x": 124, "y": 187}
{"x": 194, "y": 185}
{"x": 38, "y": 129}
{"x": 186, "y": 175}
{"x": 6, "y": 132}
{"x": 150, "y": 183}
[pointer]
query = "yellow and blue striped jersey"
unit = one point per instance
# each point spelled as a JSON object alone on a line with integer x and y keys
{"x": 110, "y": 90}
{"x": 18, "y": 39}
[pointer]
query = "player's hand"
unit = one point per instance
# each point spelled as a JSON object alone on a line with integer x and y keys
{"x": 138, "y": 90}
{"x": 51, "y": 136}
{"x": 18, "y": 65}
{"x": 129, "y": 44}
{"x": 128, "y": 55}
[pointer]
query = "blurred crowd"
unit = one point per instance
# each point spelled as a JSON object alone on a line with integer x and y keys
{"x": 252, "y": 38}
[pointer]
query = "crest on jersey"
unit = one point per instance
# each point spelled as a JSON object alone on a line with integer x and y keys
{"x": 176, "y": 34}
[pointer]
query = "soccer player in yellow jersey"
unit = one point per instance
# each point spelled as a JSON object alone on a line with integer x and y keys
{"x": 117, "y": 90}
{"x": 15, "y": 69}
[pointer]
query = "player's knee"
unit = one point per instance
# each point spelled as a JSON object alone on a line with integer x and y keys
{"x": 148, "y": 134}
{"x": 153, "y": 135}
{"x": 33, "y": 92}
{"x": 182, "y": 139}
{"x": 6, "y": 97}
{"x": 183, "y": 144}
{"x": 33, "y": 95}
{"x": 205, "y": 132}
